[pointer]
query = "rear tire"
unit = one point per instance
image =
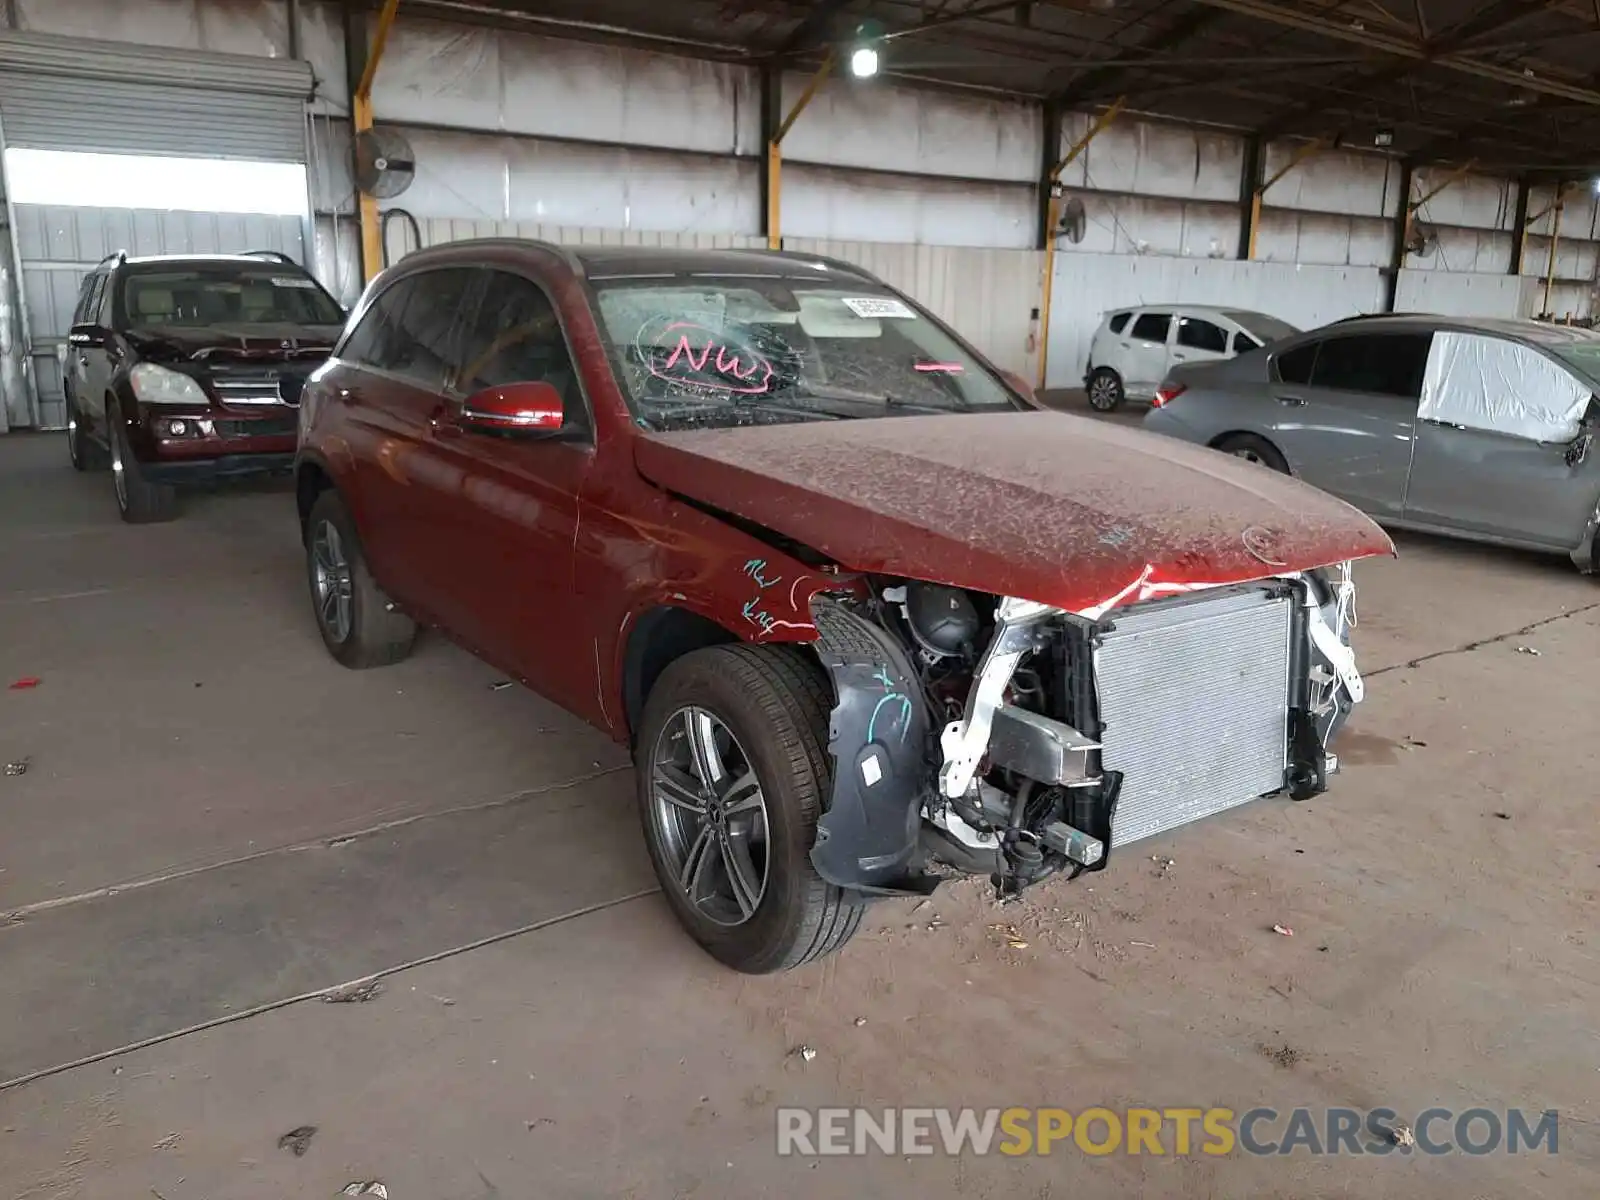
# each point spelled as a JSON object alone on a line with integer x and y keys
{"x": 1105, "y": 390}
{"x": 765, "y": 712}
{"x": 360, "y": 625}
{"x": 1254, "y": 449}
{"x": 140, "y": 501}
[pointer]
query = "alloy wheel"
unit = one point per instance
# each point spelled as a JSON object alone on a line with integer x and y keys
{"x": 1103, "y": 394}
{"x": 72, "y": 439}
{"x": 710, "y": 816}
{"x": 1249, "y": 455}
{"x": 118, "y": 468}
{"x": 332, "y": 581}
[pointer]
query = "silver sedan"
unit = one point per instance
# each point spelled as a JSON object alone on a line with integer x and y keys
{"x": 1480, "y": 429}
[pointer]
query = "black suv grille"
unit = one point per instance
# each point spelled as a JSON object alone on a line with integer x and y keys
{"x": 266, "y": 427}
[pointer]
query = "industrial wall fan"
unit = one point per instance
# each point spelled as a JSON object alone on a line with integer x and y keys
{"x": 384, "y": 163}
{"x": 1074, "y": 220}
{"x": 1421, "y": 239}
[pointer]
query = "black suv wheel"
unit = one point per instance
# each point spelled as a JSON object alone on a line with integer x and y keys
{"x": 140, "y": 501}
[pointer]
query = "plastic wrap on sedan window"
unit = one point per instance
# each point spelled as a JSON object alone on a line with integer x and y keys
{"x": 1501, "y": 386}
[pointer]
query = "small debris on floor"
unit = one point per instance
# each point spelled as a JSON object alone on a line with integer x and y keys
{"x": 1283, "y": 929}
{"x": 298, "y": 1141}
{"x": 860, "y": 1021}
{"x": 168, "y": 1142}
{"x": 1528, "y": 650}
{"x": 1146, "y": 945}
{"x": 534, "y": 1124}
{"x": 353, "y": 993}
{"x": 26, "y": 682}
{"x": 1402, "y": 1135}
{"x": 444, "y": 1000}
{"x": 805, "y": 1053}
{"x": 19, "y": 767}
{"x": 1411, "y": 741}
{"x": 920, "y": 905}
{"x": 1504, "y": 816}
{"x": 370, "y": 1188}
{"x": 499, "y": 685}
{"x": 1284, "y": 1056}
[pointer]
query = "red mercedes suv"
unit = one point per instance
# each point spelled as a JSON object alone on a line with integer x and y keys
{"x": 865, "y": 614}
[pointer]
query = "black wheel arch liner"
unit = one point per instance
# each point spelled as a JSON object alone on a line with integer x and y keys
{"x": 869, "y": 838}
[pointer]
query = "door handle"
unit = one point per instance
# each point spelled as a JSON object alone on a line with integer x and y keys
{"x": 1291, "y": 401}
{"x": 443, "y": 425}
{"x": 1180, "y": 357}
{"x": 83, "y": 361}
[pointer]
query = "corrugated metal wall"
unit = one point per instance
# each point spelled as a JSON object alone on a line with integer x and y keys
{"x": 60, "y": 246}
{"x": 991, "y": 296}
{"x": 930, "y": 188}
{"x": 1088, "y": 285}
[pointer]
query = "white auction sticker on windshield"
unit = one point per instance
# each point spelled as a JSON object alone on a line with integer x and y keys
{"x": 877, "y": 306}
{"x": 290, "y": 281}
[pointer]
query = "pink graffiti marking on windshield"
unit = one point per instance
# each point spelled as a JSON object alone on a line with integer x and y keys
{"x": 750, "y": 373}
{"x": 951, "y": 368}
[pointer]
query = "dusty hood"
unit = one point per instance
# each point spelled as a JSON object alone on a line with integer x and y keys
{"x": 1068, "y": 511}
{"x": 235, "y": 343}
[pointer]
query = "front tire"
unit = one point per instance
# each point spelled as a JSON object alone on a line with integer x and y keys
{"x": 1105, "y": 390}
{"x": 733, "y": 774}
{"x": 140, "y": 501}
{"x": 360, "y": 626}
{"x": 86, "y": 453}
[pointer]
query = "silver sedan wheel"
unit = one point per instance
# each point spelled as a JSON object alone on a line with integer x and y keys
{"x": 1249, "y": 455}
{"x": 332, "y": 581}
{"x": 709, "y": 816}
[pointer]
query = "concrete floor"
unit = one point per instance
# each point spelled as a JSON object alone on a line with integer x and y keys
{"x": 216, "y": 821}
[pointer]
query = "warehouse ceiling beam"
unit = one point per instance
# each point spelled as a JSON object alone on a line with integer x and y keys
{"x": 1526, "y": 79}
{"x": 361, "y": 119}
{"x": 1052, "y": 187}
{"x": 1099, "y": 78}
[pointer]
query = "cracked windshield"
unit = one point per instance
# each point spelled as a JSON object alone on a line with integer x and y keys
{"x": 707, "y": 352}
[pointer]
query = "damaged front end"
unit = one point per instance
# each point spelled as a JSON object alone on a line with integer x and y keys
{"x": 1033, "y": 741}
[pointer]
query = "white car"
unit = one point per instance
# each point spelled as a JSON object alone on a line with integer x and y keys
{"x": 1134, "y": 347}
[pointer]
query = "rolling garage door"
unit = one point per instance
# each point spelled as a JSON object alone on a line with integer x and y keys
{"x": 70, "y": 94}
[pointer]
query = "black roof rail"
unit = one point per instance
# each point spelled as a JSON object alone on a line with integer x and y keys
{"x": 275, "y": 255}
{"x": 117, "y": 255}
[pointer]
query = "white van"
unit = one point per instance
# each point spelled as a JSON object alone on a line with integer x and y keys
{"x": 1133, "y": 348}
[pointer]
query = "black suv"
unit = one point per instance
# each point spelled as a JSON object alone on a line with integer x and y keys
{"x": 189, "y": 369}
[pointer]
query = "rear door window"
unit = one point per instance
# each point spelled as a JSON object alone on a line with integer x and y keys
{"x": 1384, "y": 364}
{"x": 1243, "y": 342}
{"x": 1152, "y": 327}
{"x": 1294, "y": 366}
{"x": 1119, "y": 322}
{"x": 413, "y": 328}
{"x": 1198, "y": 334}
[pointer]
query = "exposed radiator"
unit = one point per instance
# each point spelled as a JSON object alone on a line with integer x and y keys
{"x": 1194, "y": 704}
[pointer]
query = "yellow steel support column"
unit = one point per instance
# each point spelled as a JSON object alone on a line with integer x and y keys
{"x": 1555, "y": 244}
{"x": 361, "y": 118}
{"x": 1053, "y": 217}
{"x": 1295, "y": 159}
{"x": 775, "y": 154}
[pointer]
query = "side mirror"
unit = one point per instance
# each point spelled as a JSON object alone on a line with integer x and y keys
{"x": 532, "y": 408}
{"x": 87, "y": 337}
